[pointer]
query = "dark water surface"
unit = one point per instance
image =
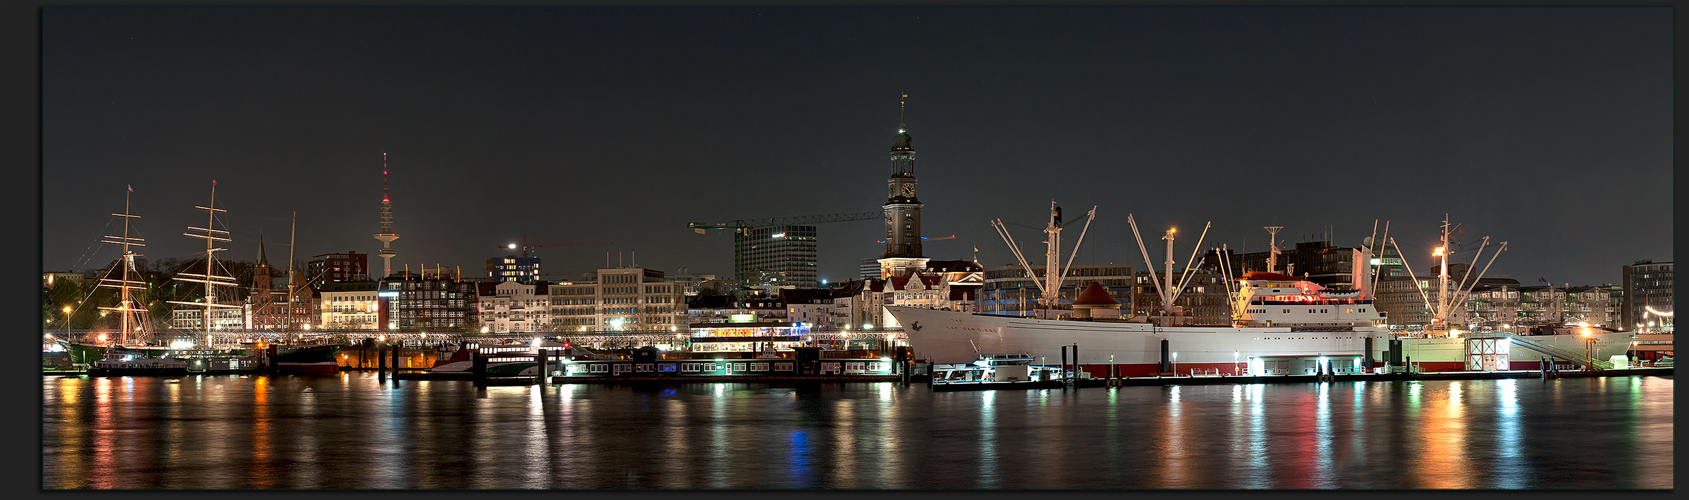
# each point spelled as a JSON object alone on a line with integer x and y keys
{"x": 350, "y": 431}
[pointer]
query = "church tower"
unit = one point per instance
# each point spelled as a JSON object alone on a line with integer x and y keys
{"x": 902, "y": 255}
{"x": 265, "y": 313}
{"x": 261, "y": 273}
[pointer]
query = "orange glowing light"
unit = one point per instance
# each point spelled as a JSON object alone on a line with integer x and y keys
{"x": 1438, "y": 252}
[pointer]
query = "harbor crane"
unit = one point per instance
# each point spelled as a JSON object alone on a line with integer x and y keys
{"x": 741, "y": 225}
{"x": 924, "y": 238}
{"x": 526, "y": 248}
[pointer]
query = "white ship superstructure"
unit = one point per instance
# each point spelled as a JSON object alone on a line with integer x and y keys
{"x": 1267, "y": 299}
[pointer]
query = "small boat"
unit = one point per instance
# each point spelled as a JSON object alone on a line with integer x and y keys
{"x": 125, "y": 362}
{"x": 997, "y": 371}
{"x": 507, "y": 360}
{"x": 218, "y": 365}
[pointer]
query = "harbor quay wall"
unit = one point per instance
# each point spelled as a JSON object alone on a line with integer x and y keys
{"x": 1365, "y": 377}
{"x": 1106, "y": 370}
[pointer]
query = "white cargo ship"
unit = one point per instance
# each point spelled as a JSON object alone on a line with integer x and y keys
{"x": 1280, "y": 325}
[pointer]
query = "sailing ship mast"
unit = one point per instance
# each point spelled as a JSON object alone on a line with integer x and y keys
{"x": 126, "y": 304}
{"x": 293, "y": 230}
{"x": 209, "y": 279}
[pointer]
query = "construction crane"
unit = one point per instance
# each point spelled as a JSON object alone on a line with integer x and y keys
{"x": 951, "y": 237}
{"x": 801, "y": 220}
{"x": 526, "y": 247}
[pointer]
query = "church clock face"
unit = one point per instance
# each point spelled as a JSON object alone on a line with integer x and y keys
{"x": 891, "y": 190}
{"x": 909, "y": 190}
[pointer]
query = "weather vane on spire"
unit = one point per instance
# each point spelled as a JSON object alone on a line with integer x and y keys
{"x": 900, "y": 107}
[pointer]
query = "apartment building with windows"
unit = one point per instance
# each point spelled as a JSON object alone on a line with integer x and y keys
{"x": 513, "y": 307}
{"x": 351, "y": 305}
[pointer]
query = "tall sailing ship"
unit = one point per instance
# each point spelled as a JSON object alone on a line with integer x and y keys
{"x": 136, "y": 343}
{"x": 130, "y": 351}
{"x": 1279, "y": 325}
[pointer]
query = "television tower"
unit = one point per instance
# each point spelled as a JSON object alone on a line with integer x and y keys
{"x": 386, "y": 235}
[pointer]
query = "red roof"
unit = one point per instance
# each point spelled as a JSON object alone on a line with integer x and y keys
{"x": 1095, "y": 295}
{"x": 1263, "y": 275}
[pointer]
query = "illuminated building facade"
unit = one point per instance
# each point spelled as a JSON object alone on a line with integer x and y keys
{"x": 1647, "y": 292}
{"x": 620, "y": 300}
{"x": 513, "y": 268}
{"x": 514, "y": 306}
{"x": 352, "y": 305}
{"x": 431, "y": 301}
{"x": 337, "y": 268}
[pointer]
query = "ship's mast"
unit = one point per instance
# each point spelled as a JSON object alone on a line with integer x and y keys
{"x": 1272, "y": 248}
{"x": 210, "y": 279}
{"x": 292, "y": 231}
{"x": 1052, "y": 256}
{"x": 125, "y": 304}
{"x": 1054, "y": 272}
{"x": 1447, "y": 299}
{"x": 1441, "y": 319}
{"x": 1167, "y": 269}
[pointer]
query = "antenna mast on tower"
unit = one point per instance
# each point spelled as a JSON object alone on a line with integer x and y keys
{"x": 386, "y": 235}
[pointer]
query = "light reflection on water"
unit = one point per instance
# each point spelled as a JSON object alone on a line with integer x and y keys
{"x": 350, "y": 431}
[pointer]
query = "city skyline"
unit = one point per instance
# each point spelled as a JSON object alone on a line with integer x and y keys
{"x": 1546, "y": 128}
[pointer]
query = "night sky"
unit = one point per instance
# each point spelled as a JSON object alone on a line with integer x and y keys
{"x": 1549, "y": 128}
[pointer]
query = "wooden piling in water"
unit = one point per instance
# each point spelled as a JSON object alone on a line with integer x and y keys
{"x": 396, "y": 348}
{"x": 381, "y": 363}
{"x": 544, "y": 376}
{"x": 478, "y": 366}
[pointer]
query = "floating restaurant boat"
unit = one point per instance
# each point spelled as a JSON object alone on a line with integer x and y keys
{"x": 121, "y": 362}
{"x": 1280, "y": 325}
